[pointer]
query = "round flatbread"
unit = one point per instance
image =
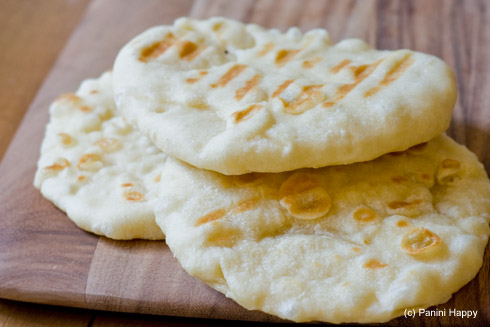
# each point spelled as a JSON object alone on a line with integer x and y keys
{"x": 236, "y": 98}
{"x": 99, "y": 170}
{"x": 355, "y": 243}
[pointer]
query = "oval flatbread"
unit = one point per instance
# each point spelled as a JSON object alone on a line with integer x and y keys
{"x": 355, "y": 243}
{"x": 236, "y": 98}
{"x": 98, "y": 169}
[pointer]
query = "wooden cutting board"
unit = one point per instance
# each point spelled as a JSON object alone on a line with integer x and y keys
{"x": 45, "y": 258}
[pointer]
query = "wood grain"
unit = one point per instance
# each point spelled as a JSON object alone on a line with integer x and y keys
{"x": 26, "y": 58}
{"x": 44, "y": 258}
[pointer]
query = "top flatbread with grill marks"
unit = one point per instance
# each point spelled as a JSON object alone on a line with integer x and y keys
{"x": 236, "y": 98}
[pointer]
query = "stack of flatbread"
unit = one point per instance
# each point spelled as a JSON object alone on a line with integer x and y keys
{"x": 309, "y": 180}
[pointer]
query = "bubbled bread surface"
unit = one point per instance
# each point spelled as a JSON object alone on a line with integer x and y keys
{"x": 98, "y": 169}
{"x": 236, "y": 98}
{"x": 354, "y": 243}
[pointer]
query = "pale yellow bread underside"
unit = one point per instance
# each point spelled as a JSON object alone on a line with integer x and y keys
{"x": 99, "y": 170}
{"x": 236, "y": 98}
{"x": 354, "y": 243}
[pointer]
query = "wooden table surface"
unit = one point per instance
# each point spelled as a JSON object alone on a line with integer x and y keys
{"x": 33, "y": 33}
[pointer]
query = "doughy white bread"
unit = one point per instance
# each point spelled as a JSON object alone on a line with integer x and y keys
{"x": 355, "y": 243}
{"x": 236, "y": 98}
{"x": 99, "y": 170}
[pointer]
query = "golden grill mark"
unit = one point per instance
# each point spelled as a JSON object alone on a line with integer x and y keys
{"x": 374, "y": 264}
{"x": 311, "y": 63}
{"x": 65, "y": 139}
{"x": 214, "y": 215}
{"x": 85, "y": 109}
{"x": 397, "y": 70}
{"x": 157, "y": 179}
{"x": 216, "y": 27}
{"x": 229, "y": 75}
{"x": 360, "y": 74}
{"x": 94, "y": 92}
{"x": 307, "y": 99}
{"x": 245, "y": 205}
{"x": 250, "y": 84}
{"x": 283, "y": 56}
{"x": 59, "y": 164}
{"x": 393, "y": 74}
{"x": 339, "y": 66}
{"x": 198, "y": 104}
{"x": 127, "y": 185}
{"x": 81, "y": 178}
{"x": 189, "y": 50}
{"x": 268, "y": 47}
{"x": 282, "y": 87}
{"x": 157, "y": 48}
{"x": 134, "y": 196}
{"x": 239, "y": 116}
{"x": 192, "y": 80}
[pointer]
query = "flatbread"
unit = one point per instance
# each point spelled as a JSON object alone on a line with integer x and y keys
{"x": 355, "y": 243}
{"x": 99, "y": 170}
{"x": 236, "y": 98}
